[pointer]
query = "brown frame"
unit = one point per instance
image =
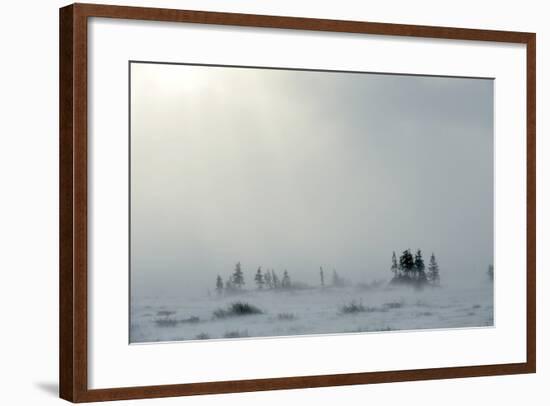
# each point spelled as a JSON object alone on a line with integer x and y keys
{"x": 73, "y": 362}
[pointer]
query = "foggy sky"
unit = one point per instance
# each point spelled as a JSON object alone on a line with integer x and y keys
{"x": 295, "y": 170}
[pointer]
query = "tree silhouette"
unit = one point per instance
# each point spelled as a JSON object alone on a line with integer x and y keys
{"x": 406, "y": 262}
{"x": 433, "y": 271}
{"x": 394, "y": 267}
{"x": 219, "y": 285}
{"x": 322, "y": 275}
{"x": 238, "y": 277}
{"x": 419, "y": 266}
{"x": 275, "y": 279}
{"x": 267, "y": 279}
{"x": 285, "y": 283}
{"x": 259, "y": 278}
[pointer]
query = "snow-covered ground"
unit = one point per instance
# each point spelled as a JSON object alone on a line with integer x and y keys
{"x": 311, "y": 311}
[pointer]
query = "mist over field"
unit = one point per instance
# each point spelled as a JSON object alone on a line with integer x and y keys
{"x": 297, "y": 170}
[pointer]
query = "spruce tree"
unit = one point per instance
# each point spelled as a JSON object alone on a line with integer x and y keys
{"x": 419, "y": 266}
{"x": 275, "y": 279}
{"x": 322, "y": 275}
{"x": 238, "y": 277}
{"x": 394, "y": 267}
{"x": 219, "y": 285}
{"x": 285, "y": 283}
{"x": 259, "y": 278}
{"x": 267, "y": 279}
{"x": 406, "y": 262}
{"x": 433, "y": 271}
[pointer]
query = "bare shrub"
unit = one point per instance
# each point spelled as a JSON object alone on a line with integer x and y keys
{"x": 393, "y": 305}
{"x": 166, "y": 322}
{"x": 352, "y": 307}
{"x": 237, "y": 309}
{"x": 165, "y": 313}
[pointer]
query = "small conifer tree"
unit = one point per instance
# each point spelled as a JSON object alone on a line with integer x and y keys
{"x": 406, "y": 262}
{"x": 219, "y": 285}
{"x": 259, "y": 278}
{"x": 433, "y": 271}
{"x": 419, "y": 266}
{"x": 267, "y": 279}
{"x": 238, "y": 277}
{"x": 394, "y": 268}
{"x": 285, "y": 283}
{"x": 275, "y": 279}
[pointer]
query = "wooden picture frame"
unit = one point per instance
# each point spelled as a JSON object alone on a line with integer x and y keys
{"x": 73, "y": 209}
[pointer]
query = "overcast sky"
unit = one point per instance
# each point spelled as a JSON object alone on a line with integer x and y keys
{"x": 298, "y": 169}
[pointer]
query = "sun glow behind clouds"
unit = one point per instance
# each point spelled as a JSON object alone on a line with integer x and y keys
{"x": 292, "y": 169}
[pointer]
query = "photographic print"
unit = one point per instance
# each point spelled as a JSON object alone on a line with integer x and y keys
{"x": 270, "y": 202}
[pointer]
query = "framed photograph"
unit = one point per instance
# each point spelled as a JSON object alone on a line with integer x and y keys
{"x": 255, "y": 202}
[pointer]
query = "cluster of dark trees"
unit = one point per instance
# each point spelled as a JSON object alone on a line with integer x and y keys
{"x": 268, "y": 279}
{"x": 411, "y": 270}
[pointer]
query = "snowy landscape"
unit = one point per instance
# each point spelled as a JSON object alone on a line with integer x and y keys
{"x": 282, "y": 202}
{"x": 299, "y": 310}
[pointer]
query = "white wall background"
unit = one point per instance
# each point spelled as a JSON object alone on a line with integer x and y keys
{"x": 29, "y": 184}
